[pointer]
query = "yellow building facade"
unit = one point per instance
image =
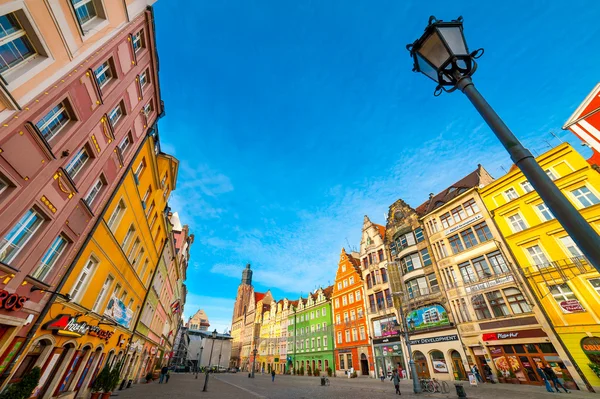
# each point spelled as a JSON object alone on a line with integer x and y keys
{"x": 92, "y": 323}
{"x": 566, "y": 286}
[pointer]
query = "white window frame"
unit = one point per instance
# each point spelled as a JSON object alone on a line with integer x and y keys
{"x": 11, "y": 37}
{"x": 577, "y": 198}
{"x": 81, "y": 3}
{"x": 3, "y": 184}
{"x": 137, "y": 38}
{"x": 102, "y": 294}
{"x": 540, "y": 209}
{"x": 50, "y": 258}
{"x": 115, "y": 115}
{"x": 566, "y": 242}
{"x": 62, "y": 110}
{"x": 127, "y": 140}
{"x": 594, "y": 287}
{"x": 526, "y": 186}
{"x": 105, "y": 70}
{"x": 76, "y": 164}
{"x": 148, "y": 108}
{"x": 16, "y": 231}
{"x": 532, "y": 257}
{"x": 143, "y": 80}
{"x": 510, "y": 194}
{"x": 94, "y": 191}
{"x": 82, "y": 281}
{"x": 116, "y": 215}
{"x": 551, "y": 174}
{"x": 521, "y": 222}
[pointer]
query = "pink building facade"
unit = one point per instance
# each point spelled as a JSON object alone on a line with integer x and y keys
{"x": 61, "y": 156}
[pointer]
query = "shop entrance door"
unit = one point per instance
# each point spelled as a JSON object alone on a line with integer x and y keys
{"x": 364, "y": 364}
{"x": 458, "y": 367}
{"x": 421, "y": 364}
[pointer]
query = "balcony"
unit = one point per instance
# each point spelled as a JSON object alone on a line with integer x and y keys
{"x": 489, "y": 282}
{"x": 559, "y": 271}
{"x": 423, "y": 296}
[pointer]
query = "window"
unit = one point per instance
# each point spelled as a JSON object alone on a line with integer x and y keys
{"x": 102, "y": 294}
{"x": 148, "y": 109}
{"x": 562, "y": 292}
{"x": 467, "y": 272}
{"x": 19, "y": 235}
{"x": 342, "y": 366}
{"x": 146, "y": 196}
{"x": 418, "y": 235}
{"x": 133, "y": 250}
{"x": 357, "y": 295}
{"x": 85, "y": 10}
{"x": 344, "y": 300}
{"x": 354, "y": 334}
{"x": 15, "y": 46}
{"x": 511, "y": 194}
{"x": 433, "y": 283}
{"x": 425, "y": 256}
{"x": 128, "y": 237}
{"x": 417, "y": 287}
{"x": 497, "y": 261}
{"x": 410, "y": 263}
{"x": 50, "y": 258}
{"x": 351, "y": 298}
{"x": 115, "y": 114}
{"x": 125, "y": 144}
{"x": 481, "y": 308}
{"x": 483, "y": 232}
{"x": 437, "y": 357}
{"x": 572, "y": 249}
{"x": 458, "y": 214}
{"x": 139, "y": 256}
{"x": 443, "y": 250}
{"x": 516, "y": 301}
{"x": 325, "y": 341}
{"x": 138, "y": 41}
{"x": 103, "y": 74}
{"x": 83, "y": 279}
{"x": 585, "y": 196}
{"x": 526, "y": 186}
{"x": 384, "y": 277}
{"x": 405, "y": 240}
{"x": 53, "y": 122}
{"x": 455, "y": 244}
{"x": 380, "y": 255}
{"x": 140, "y": 169}
{"x": 339, "y": 337}
{"x": 351, "y": 280}
{"x": 77, "y": 163}
{"x": 595, "y": 282}
{"x": 338, "y": 319}
{"x": 359, "y": 313}
{"x": 96, "y": 188}
{"x": 446, "y": 220}
{"x": 347, "y": 333}
{"x": 352, "y": 315}
{"x": 481, "y": 267}
{"x": 3, "y": 185}
{"x": 551, "y": 174}
{"x": 517, "y": 223}
{"x": 537, "y": 256}
{"x": 544, "y": 212}
{"x": 468, "y": 238}
{"x": 497, "y": 303}
{"x": 143, "y": 80}
{"x": 115, "y": 217}
{"x": 337, "y": 303}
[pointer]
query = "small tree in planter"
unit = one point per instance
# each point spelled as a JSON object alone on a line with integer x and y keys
{"x": 98, "y": 383}
{"x": 308, "y": 371}
{"x": 111, "y": 382}
{"x": 301, "y": 371}
{"x": 354, "y": 374}
{"x": 329, "y": 371}
{"x": 501, "y": 378}
{"x": 23, "y": 388}
{"x": 317, "y": 372}
{"x": 513, "y": 377}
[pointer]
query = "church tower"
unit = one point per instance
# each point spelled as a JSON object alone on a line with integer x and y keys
{"x": 247, "y": 275}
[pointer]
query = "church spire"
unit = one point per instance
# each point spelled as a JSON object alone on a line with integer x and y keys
{"x": 247, "y": 275}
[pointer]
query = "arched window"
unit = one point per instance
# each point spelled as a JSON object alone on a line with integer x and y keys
{"x": 438, "y": 361}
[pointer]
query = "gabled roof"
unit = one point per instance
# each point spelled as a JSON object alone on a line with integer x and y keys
{"x": 474, "y": 179}
{"x": 327, "y": 291}
{"x": 590, "y": 104}
{"x": 381, "y": 229}
{"x": 258, "y": 296}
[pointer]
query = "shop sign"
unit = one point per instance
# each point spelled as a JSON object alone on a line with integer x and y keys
{"x": 434, "y": 340}
{"x": 68, "y": 326}
{"x": 591, "y": 346}
{"x": 463, "y": 224}
{"x": 571, "y": 306}
{"x": 495, "y": 351}
{"x": 12, "y": 301}
{"x": 386, "y": 327}
{"x": 440, "y": 366}
{"x": 514, "y": 335}
{"x": 427, "y": 317}
{"x": 386, "y": 340}
{"x": 489, "y": 283}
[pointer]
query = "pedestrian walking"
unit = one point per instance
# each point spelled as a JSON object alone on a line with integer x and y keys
{"x": 396, "y": 381}
{"x": 475, "y": 372}
{"x": 163, "y": 373}
{"x": 487, "y": 370}
{"x": 381, "y": 376}
{"x": 545, "y": 379}
{"x": 554, "y": 378}
{"x": 399, "y": 368}
{"x": 273, "y": 375}
{"x": 168, "y": 376}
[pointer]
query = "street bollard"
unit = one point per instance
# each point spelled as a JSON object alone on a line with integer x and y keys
{"x": 460, "y": 391}
{"x": 249, "y": 375}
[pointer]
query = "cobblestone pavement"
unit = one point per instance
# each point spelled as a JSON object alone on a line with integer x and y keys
{"x": 238, "y": 386}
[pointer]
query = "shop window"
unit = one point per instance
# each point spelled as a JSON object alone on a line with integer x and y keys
{"x": 531, "y": 348}
{"x": 70, "y": 372}
{"x": 30, "y": 360}
{"x": 547, "y": 348}
{"x": 508, "y": 349}
{"x": 519, "y": 348}
{"x": 438, "y": 361}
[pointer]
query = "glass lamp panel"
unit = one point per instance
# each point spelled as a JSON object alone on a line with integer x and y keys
{"x": 434, "y": 50}
{"x": 454, "y": 38}
{"x": 426, "y": 68}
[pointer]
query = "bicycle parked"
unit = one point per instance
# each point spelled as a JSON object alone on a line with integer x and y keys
{"x": 434, "y": 386}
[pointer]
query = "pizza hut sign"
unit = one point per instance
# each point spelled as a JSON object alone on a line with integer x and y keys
{"x": 571, "y": 306}
{"x": 68, "y": 326}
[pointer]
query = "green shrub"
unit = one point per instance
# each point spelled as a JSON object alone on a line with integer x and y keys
{"x": 329, "y": 371}
{"x": 317, "y": 372}
{"x": 301, "y": 371}
{"x": 308, "y": 371}
{"x": 99, "y": 382}
{"x": 23, "y": 388}
{"x": 354, "y": 375}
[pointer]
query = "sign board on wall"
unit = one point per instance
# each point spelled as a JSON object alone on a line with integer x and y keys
{"x": 118, "y": 311}
{"x": 386, "y": 327}
{"x": 12, "y": 301}
{"x": 514, "y": 334}
{"x": 463, "y": 224}
{"x": 571, "y": 306}
{"x": 68, "y": 326}
{"x": 489, "y": 284}
{"x": 434, "y": 340}
{"x": 427, "y": 317}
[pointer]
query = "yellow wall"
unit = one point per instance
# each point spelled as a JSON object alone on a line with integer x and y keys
{"x": 563, "y": 266}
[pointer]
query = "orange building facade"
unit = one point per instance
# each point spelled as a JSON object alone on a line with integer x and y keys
{"x": 352, "y": 348}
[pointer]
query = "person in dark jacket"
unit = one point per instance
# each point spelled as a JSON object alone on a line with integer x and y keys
{"x": 396, "y": 381}
{"x": 273, "y": 375}
{"x": 163, "y": 373}
{"x": 545, "y": 379}
{"x": 554, "y": 378}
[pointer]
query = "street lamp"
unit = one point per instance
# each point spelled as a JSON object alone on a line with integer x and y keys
{"x": 214, "y": 337}
{"x": 441, "y": 54}
{"x": 254, "y": 352}
{"x": 411, "y": 362}
{"x": 199, "y": 355}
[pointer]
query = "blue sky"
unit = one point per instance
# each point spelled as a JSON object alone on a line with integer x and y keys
{"x": 292, "y": 120}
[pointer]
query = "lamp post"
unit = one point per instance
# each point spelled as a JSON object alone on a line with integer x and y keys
{"x": 220, "y": 351}
{"x": 411, "y": 362}
{"x": 199, "y": 355}
{"x": 441, "y": 54}
{"x": 254, "y": 352}
{"x": 214, "y": 337}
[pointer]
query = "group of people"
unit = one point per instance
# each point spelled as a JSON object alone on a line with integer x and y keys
{"x": 545, "y": 372}
{"x": 395, "y": 375}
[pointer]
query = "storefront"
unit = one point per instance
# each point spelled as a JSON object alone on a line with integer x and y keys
{"x": 518, "y": 354}
{"x": 71, "y": 349}
{"x": 439, "y": 356}
{"x": 388, "y": 355}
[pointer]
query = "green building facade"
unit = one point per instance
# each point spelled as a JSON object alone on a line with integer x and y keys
{"x": 310, "y": 333}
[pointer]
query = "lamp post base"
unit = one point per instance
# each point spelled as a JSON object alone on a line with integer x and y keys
{"x": 205, "y": 382}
